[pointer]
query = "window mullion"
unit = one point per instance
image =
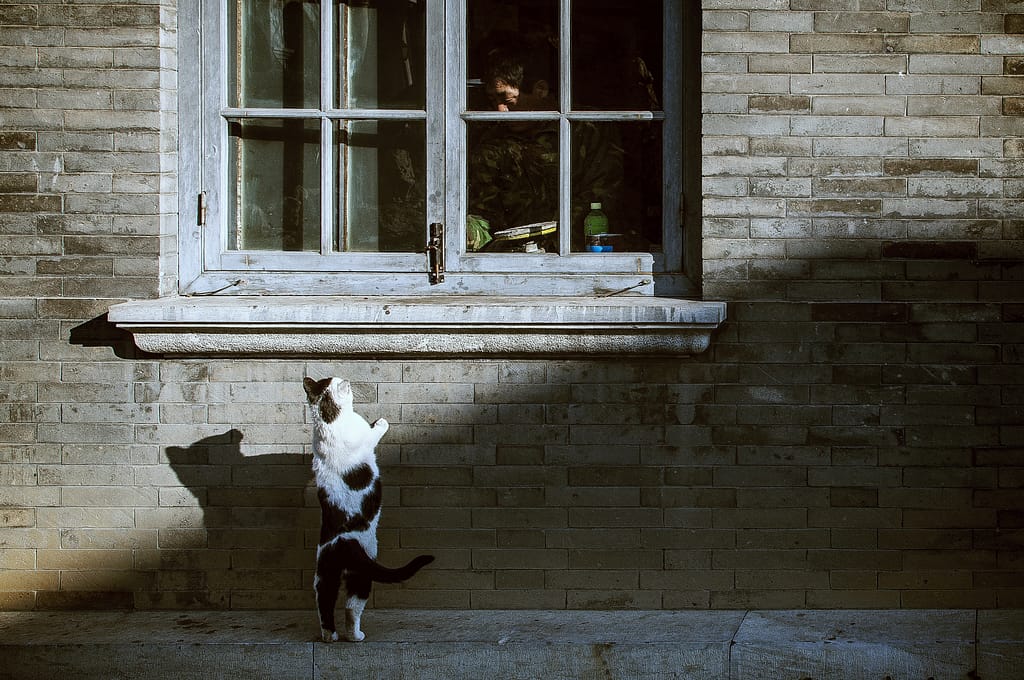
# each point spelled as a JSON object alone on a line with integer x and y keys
{"x": 564, "y": 140}
{"x": 453, "y": 59}
{"x": 327, "y": 208}
{"x": 436, "y": 103}
{"x": 564, "y": 187}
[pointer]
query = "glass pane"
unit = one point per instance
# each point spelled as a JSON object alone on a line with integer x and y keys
{"x": 616, "y": 55}
{"x": 512, "y": 55}
{"x": 619, "y": 166}
{"x": 275, "y": 179}
{"x": 382, "y": 186}
{"x": 274, "y": 53}
{"x": 512, "y": 171}
{"x": 381, "y": 54}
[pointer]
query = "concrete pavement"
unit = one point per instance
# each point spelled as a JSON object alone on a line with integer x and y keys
{"x": 526, "y": 645}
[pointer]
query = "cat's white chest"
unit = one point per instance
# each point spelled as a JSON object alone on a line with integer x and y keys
{"x": 338, "y": 448}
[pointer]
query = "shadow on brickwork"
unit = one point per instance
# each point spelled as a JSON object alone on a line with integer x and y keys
{"x": 253, "y": 536}
{"x": 99, "y": 332}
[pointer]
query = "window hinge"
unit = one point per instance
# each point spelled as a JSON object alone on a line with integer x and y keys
{"x": 435, "y": 253}
{"x": 201, "y": 209}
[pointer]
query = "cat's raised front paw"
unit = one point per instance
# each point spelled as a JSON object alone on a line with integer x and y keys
{"x": 381, "y": 424}
{"x": 329, "y": 635}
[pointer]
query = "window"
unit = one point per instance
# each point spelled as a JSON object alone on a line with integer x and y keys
{"x": 334, "y": 134}
{"x": 358, "y": 175}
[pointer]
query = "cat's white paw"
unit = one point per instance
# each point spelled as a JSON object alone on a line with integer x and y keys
{"x": 355, "y": 636}
{"x": 329, "y": 635}
{"x": 381, "y": 424}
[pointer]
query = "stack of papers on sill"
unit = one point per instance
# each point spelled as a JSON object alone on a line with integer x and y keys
{"x": 535, "y": 229}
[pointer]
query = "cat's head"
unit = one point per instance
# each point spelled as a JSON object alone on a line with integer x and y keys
{"x": 328, "y": 397}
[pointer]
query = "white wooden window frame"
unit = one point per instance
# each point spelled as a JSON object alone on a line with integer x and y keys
{"x": 374, "y": 303}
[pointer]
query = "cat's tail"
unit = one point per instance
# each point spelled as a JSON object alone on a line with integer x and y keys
{"x": 360, "y": 561}
{"x": 382, "y": 574}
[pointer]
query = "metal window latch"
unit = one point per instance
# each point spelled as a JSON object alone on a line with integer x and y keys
{"x": 435, "y": 253}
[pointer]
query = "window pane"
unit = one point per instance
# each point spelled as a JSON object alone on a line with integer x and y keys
{"x": 618, "y": 165}
{"x": 274, "y": 53}
{"x": 617, "y": 55}
{"x": 381, "y": 54}
{"x": 275, "y": 181}
{"x": 512, "y": 55}
{"x": 512, "y": 171}
{"x": 382, "y": 187}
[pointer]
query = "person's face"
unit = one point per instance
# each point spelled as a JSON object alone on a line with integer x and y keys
{"x": 504, "y": 95}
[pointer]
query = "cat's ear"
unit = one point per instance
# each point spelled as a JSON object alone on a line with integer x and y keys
{"x": 311, "y": 387}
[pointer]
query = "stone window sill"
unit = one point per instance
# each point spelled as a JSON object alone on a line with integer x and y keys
{"x": 419, "y": 326}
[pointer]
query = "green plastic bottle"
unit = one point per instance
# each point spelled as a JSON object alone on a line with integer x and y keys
{"x": 596, "y": 222}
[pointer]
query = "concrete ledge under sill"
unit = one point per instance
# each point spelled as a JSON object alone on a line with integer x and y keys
{"x": 419, "y": 326}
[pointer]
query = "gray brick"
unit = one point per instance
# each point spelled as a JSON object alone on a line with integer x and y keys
{"x": 519, "y": 559}
{"x": 825, "y": 43}
{"x": 847, "y": 63}
{"x": 744, "y": 166}
{"x": 860, "y": 146}
{"x": 615, "y": 517}
{"x": 779, "y": 63}
{"x": 723, "y": 63}
{"x": 746, "y": 84}
{"x": 759, "y": 125}
{"x": 838, "y": 105}
{"x": 861, "y": 22}
{"x": 955, "y": 22}
{"x": 956, "y": 188}
{"x": 915, "y": 84}
{"x": 838, "y": 126}
{"x": 725, "y": 21}
{"x": 932, "y": 127}
{"x": 721, "y": 41}
{"x": 1001, "y": 44}
{"x": 963, "y": 64}
{"x": 789, "y": 22}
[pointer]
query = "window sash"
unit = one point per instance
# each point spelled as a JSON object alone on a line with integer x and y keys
{"x": 215, "y": 169}
{"x": 446, "y": 118}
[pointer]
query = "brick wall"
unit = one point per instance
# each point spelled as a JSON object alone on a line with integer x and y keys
{"x": 853, "y": 438}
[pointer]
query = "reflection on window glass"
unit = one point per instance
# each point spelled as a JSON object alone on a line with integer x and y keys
{"x": 274, "y": 53}
{"x": 381, "y": 189}
{"x": 512, "y": 55}
{"x": 275, "y": 179}
{"x": 381, "y": 61}
{"x": 619, "y": 166}
{"x": 513, "y": 182}
{"x": 616, "y": 55}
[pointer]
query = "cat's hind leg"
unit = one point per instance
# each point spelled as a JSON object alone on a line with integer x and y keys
{"x": 358, "y": 588}
{"x": 326, "y": 584}
{"x": 353, "y": 613}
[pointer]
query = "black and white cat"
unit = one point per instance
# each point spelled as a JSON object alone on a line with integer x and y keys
{"x": 348, "y": 486}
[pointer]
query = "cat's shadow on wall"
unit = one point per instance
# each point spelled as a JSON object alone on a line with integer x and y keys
{"x": 255, "y": 531}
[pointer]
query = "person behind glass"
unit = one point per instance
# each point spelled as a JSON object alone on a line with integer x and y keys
{"x": 504, "y": 84}
{"x": 513, "y": 164}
